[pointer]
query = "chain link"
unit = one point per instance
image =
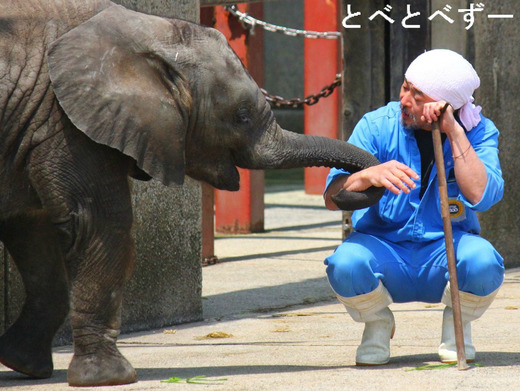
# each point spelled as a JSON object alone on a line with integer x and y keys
{"x": 310, "y": 100}
{"x": 252, "y": 22}
{"x": 276, "y": 100}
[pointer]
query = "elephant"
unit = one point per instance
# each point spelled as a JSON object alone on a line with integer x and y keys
{"x": 92, "y": 93}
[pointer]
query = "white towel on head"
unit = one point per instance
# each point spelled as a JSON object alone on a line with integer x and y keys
{"x": 445, "y": 75}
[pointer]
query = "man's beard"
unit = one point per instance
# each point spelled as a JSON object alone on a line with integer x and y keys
{"x": 413, "y": 125}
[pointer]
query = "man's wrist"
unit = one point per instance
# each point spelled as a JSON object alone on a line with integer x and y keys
{"x": 457, "y": 133}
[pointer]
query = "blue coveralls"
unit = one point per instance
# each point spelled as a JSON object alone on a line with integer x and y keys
{"x": 400, "y": 240}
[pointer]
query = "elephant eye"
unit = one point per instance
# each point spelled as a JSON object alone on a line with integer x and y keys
{"x": 242, "y": 117}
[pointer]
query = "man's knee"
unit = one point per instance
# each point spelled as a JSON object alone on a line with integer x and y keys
{"x": 349, "y": 273}
{"x": 481, "y": 274}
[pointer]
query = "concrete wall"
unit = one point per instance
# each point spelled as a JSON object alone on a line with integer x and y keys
{"x": 167, "y": 282}
{"x": 496, "y": 49}
{"x": 166, "y": 285}
{"x": 450, "y": 36}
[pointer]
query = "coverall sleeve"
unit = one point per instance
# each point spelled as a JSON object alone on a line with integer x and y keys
{"x": 485, "y": 143}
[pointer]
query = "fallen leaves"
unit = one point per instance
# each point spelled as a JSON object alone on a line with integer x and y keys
{"x": 283, "y": 329}
{"x": 216, "y": 335}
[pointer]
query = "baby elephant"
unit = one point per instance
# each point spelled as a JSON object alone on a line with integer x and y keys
{"x": 91, "y": 93}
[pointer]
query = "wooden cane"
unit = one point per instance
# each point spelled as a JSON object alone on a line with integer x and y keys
{"x": 450, "y": 251}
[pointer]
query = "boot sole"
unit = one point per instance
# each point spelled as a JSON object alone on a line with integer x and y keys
{"x": 364, "y": 364}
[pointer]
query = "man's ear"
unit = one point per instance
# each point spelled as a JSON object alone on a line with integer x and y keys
{"x": 114, "y": 86}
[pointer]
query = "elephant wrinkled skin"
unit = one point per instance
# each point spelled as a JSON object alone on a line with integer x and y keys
{"x": 90, "y": 94}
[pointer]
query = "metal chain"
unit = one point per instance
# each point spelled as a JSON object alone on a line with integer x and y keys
{"x": 276, "y": 100}
{"x": 249, "y": 20}
{"x": 310, "y": 100}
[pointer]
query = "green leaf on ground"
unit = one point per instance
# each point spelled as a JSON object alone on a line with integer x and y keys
{"x": 429, "y": 367}
{"x": 195, "y": 380}
{"x": 174, "y": 380}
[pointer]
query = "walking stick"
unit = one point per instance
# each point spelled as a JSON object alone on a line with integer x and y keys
{"x": 450, "y": 252}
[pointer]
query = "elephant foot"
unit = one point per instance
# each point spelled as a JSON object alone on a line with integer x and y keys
{"x": 100, "y": 369}
{"x": 26, "y": 355}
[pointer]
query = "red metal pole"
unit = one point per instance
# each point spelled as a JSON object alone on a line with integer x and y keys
{"x": 321, "y": 64}
{"x": 242, "y": 211}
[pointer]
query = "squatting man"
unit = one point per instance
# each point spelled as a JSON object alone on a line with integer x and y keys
{"x": 397, "y": 252}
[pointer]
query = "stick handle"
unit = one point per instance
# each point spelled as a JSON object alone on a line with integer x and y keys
{"x": 450, "y": 251}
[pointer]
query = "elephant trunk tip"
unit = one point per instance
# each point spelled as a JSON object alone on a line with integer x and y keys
{"x": 352, "y": 200}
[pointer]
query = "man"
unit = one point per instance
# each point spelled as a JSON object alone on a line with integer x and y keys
{"x": 397, "y": 252}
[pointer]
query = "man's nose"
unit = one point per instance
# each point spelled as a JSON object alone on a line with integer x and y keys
{"x": 404, "y": 97}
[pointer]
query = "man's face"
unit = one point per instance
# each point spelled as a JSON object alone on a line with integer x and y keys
{"x": 412, "y": 102}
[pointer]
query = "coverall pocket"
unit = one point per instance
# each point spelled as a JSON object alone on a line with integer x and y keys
{"x": 395, "y": 209}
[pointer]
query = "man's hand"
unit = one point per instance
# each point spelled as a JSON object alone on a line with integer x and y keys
{"x": 443, "y": 111}
{"x": 393, "y": 175}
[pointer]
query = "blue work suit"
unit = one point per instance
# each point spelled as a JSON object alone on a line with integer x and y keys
{"x": 400, "y": 239}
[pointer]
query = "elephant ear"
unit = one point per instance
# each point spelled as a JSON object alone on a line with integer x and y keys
{"x": 115, "y": 86}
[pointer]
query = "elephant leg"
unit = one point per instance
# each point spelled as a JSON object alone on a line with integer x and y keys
{"x": 26, "y": 345}
{"x": 95, "y": 316}
{"x": 85, "y": 185}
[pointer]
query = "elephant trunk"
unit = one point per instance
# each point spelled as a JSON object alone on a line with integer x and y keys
{"x": 285, "y": 149}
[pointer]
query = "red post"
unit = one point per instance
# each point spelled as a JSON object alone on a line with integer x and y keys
{"x": 242, "y": 211}
{"x": 321, "y": 64}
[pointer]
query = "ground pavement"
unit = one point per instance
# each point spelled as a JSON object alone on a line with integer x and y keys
{"x": 272, "y": 323}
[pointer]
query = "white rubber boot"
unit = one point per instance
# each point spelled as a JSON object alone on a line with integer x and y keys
{"x": 372, "y": 309}
{"x": 471, "y": 307}
{"x": 448, "y": 346}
